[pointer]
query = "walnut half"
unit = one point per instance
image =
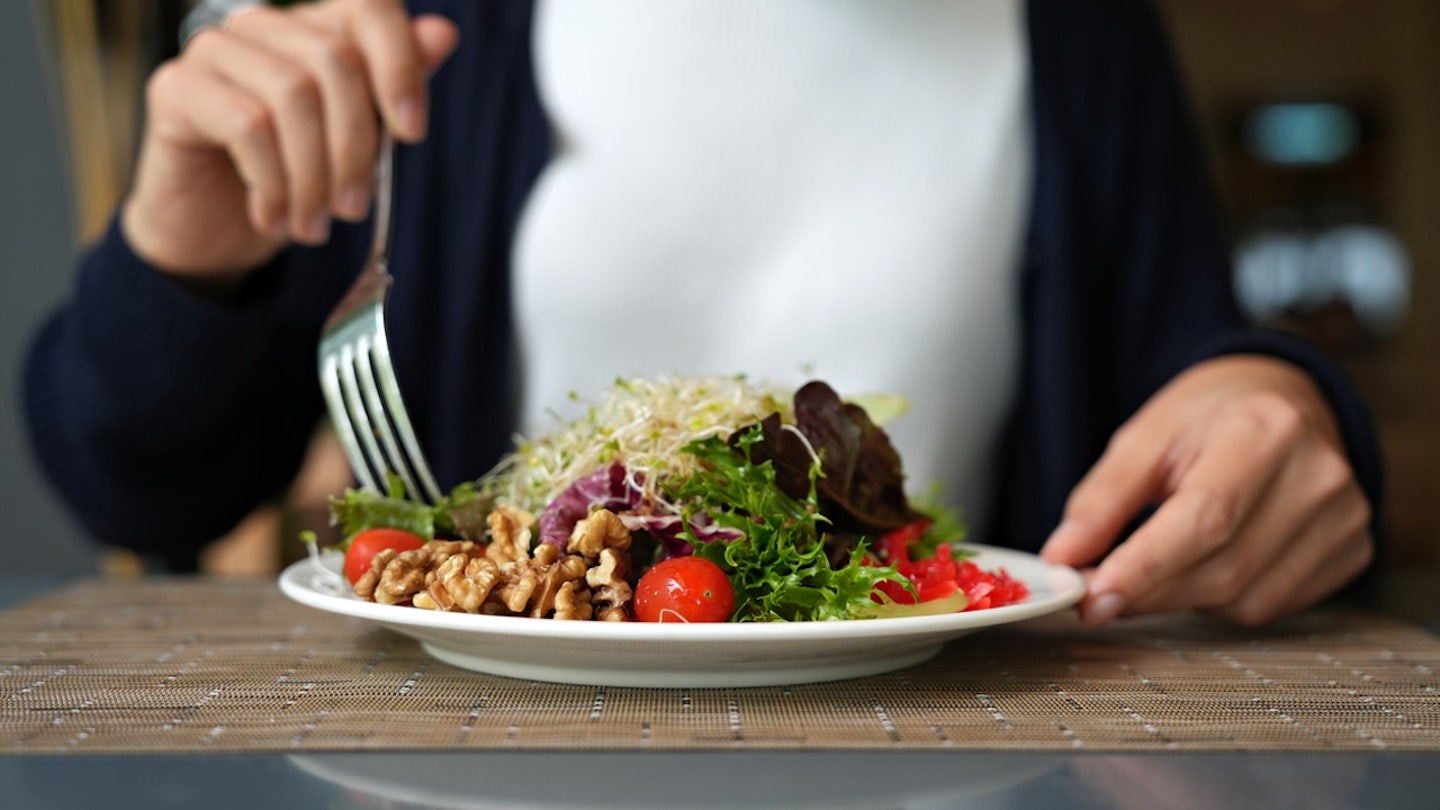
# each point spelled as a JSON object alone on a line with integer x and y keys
{"x": 461, "y": 583}
{"x": 510, "y": 535}
{"x": 605, "y": 543}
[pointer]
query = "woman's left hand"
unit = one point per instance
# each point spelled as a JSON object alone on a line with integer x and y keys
{"x": 1257, "y": 510}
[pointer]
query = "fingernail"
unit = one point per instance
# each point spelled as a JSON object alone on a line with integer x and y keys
{"x": 1065, "y": 528}
{"x": 354, "y": 201}
{"x": 1103, "y": 609}
{"x": 318, "y": 228}
{"x": 410, "y": 121}
{"x": 1057, "y": 539}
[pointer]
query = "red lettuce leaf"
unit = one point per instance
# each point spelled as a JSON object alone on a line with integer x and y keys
{"x": 861, "y": 488}
{"x": 610, "y": 488}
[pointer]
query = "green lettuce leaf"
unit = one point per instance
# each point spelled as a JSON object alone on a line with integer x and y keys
{"x": 461, "y": 514}
{"x": 779, "y": 567}
{"x": 360, "y": 509}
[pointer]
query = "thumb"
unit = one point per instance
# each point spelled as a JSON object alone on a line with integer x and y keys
{"x": 436, "y": 37}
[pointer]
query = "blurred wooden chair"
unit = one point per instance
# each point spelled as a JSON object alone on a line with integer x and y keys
{"x": 100, "y": 62}
{"x": 103, "y": 53}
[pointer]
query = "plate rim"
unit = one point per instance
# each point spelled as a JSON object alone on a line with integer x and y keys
{"x": 1065, "y": 587}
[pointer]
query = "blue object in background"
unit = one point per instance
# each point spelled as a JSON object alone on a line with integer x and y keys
{"x": 1302, "y": 134}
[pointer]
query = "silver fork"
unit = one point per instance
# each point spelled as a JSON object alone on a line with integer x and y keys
{"x": 356, "y": 375}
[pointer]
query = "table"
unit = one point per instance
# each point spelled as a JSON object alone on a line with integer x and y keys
{"x": 918, "y": 777}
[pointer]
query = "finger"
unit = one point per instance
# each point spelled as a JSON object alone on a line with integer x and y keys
{"x": 1311, "y": 508}
{"x": 214, "y": 111}
{"x": 1337, "y": 571}
{"x": 398, "y": 69}
{"x": 1297, "y": 582}
{"x": 1224, "y": 576}
{"x": 1312, "y": 567}
{"x": 437, "y": 39}
{"x": 1331, "y": 548}
{"x": 293, "y": 97}
{"x": 1211, "y": 501}
{"x": 350, "y": 126}
{"x": 1128, "y": 476}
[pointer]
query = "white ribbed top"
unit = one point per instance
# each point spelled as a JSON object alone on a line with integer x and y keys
{"x": 797, "y": 189}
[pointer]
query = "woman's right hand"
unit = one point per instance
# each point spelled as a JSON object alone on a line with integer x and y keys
{"x": 263, "y": 130}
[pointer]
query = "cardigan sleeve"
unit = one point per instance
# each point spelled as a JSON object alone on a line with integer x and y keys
{"x": 160, "y": 418}
{"x": 1127, "y": 279}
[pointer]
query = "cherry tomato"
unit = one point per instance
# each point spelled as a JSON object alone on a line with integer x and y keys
{"x": 684, "y": 589}
{"x": 365, "y": 545}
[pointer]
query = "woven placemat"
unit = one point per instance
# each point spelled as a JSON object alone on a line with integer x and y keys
{"x": 233, "y": 666}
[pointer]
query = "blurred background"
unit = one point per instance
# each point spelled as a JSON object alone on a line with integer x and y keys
{"x": 1320, "y": 117}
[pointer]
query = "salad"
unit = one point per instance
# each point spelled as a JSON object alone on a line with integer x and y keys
{"x": 678, "y": 499}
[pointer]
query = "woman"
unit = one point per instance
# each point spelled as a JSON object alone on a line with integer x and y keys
{"x": 996, "y": 208}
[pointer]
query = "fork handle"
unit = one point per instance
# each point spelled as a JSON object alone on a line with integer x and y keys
{"x": 384, "y": 189}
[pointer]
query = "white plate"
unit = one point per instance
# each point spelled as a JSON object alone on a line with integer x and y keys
{"x": 699, "y": 655}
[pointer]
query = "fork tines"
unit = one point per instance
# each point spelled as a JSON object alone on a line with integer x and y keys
{"x": 359, "y": 381}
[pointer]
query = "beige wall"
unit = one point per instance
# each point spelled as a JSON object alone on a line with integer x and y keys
{"x": 1388, "y": 50}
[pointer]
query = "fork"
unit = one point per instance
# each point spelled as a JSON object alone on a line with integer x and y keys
{"x": 356, "y": 375}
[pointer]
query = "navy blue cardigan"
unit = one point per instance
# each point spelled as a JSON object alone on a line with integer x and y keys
{"x": 163, "y": 419}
